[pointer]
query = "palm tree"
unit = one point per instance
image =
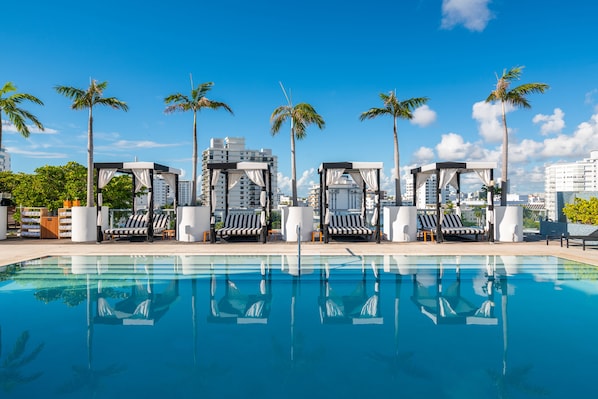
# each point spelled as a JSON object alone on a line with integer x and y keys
{"x": 516, "y": 98}
{"x": 397, "y": 109}
{"x": 87, "y": 99}
{"x": 301, "y": 116}
{"x": 16, "y": 115}
{"x": 195, "y": 103}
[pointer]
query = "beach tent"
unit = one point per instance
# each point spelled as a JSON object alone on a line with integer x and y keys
{"x": 450, "y": 173}
{"x": 143, "y": 176}
{"x": 365, "y": 174}
{"x": 258, "y": 172}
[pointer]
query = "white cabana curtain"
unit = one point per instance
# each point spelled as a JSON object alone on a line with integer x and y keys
{"x": 213, "y": 183}
{"x": 256, "y": 176}
{"x": 170, "y": 179}
{"x": 448, "y": 176}
{"x": 357, "y": 178}
{"x": 484, "y": 176}
{"x": 233, "y": 179}
{"x": 421, "y": 179}
{"x": 104, "y": 177}
{"x": 332, "y": 177}
{"x": 142, "y": 177}
{"x": 369, "y": 176}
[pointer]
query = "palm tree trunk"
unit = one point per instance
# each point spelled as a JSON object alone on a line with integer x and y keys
{"x": 194, "y": 161}
{"x": 293, "y": 167}
{"x": 505, "y": 159}
{"x": 398, "y": 198}
{"x": 90, "y": 201}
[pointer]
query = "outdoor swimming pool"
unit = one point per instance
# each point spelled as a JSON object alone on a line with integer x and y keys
{"x": 269, "y": 327}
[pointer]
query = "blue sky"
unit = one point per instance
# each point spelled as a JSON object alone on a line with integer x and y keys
{"x": 336, "y": 55}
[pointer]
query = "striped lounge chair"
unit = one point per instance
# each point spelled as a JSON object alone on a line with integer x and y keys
{"x": 451, "y": 225}
{"x": 348, "y": 225}
{"x": 136, "y": 226}
{"x": 427, "y": 226}
{"x": 241, "y": 225}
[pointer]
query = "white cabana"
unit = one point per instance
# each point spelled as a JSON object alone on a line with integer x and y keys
{"x": 143, "y": 176}
{"x": 365, "y": 174}
{"x": 258, "y": 172}
{"x": 449, "y": 173}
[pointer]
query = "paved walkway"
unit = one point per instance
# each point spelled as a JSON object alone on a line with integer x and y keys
{"x": 17, "y": 249}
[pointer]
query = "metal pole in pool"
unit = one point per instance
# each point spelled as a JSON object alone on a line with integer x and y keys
{"x": 299, "y": 248}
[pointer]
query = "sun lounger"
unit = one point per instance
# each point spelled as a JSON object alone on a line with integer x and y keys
{"x": 136, "y": 226}
{"x": 241, "y": 225}
{"x": 348, "y": 225}
{"x": 591, "y": 238}
{"x": 451, "y": 225}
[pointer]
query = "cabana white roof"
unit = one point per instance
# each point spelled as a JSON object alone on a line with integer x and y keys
{"x": 128, "y": 166}
{"x": 464, "y": 167}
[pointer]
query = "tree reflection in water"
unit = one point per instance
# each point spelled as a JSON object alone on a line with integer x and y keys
{"x": 11, "y": 373}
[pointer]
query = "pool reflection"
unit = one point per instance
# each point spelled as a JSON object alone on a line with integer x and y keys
{"x": 273, "y": 326}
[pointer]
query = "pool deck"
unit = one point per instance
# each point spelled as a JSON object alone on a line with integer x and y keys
{"x": 14, "y": 250}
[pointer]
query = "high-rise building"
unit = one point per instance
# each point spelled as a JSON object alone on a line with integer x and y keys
{"x": 575, "y": 177}
{"x": 426, "y": 194}
{"x": 162, "y": 194}
{"x": 4, "y": 160}
{"x": 185, "y": 187}
{"x": 245, "y": 194}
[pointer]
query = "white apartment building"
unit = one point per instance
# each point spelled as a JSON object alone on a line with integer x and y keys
{"x": 426, "y": 194}
{"x": 185, "y": 187}
{"x": 245, "y": 194}
{"x": 4, "y": 160}
{"x": 570, "y": 177}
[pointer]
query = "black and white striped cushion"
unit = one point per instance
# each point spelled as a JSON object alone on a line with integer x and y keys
{"x": 241, "y": 225}
{"x": 348, "y": 225}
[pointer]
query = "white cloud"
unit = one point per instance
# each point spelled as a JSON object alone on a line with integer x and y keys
{"x": 551, "y": 123}
{"x": 590, "y": 96}
{"x": 128, "y": 144}
{"x": 36, "y": 154}
{"x": 473, "y": 14}
{"x": 488, "y": 116}
{"x": 10, "y": 128}
{"x": 579, "y": 144}
{"x": 304, "y": 182}
{"x": 423, "y": 155}
{"x": 452, "y": 147}
{"x": 423, "y": 116}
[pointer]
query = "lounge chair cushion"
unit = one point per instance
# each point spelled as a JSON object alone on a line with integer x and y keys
{"x": 451, "y": 225}
{"x": 348, "y": 225}
{"x": 241, "y": 225}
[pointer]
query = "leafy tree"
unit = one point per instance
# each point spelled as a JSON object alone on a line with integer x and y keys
{"x": 87, "y": 99}
{"x": 301, "y": 116}
{"x": 51, "y": 185}
{"x": 397, "y": 109}
{"x": 582, "y": 211}
{"x": 195, "y": 103}
{"x": 10, "y": 105}
{"x": 515, "y": 97}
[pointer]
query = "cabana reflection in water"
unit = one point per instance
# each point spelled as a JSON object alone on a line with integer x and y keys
{"x": 271, "y": 326}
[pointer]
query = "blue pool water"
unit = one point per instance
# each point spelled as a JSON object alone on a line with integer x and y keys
{"x": 273, "y": 327}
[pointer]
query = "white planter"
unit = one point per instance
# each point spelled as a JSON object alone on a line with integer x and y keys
{"x": 84, "y": 224}
{"x": 294, "y": 216}
{"x": 3, "y": 222}
{"x": 508, "y": 223}
{"x": 192, "y": 222}
{"x": 400, "y": 223}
